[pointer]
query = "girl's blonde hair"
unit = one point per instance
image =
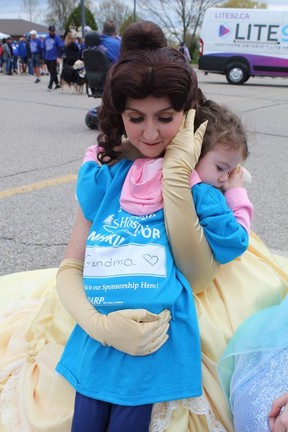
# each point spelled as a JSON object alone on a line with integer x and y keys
{"x": 69, "y": 38}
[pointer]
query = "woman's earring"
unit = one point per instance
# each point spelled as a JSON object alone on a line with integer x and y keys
{"x": 124, "y": 137}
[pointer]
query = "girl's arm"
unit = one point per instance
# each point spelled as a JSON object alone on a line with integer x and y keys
{"x": 227, "y": 238}
{"x": 237, "y": 198}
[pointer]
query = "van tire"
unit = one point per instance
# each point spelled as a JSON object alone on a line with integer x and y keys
{"x": 236, "y": 73}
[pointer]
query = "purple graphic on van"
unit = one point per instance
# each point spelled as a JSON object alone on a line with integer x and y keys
{"x": 224, "y": 30}
{"x": 260, "y": 65}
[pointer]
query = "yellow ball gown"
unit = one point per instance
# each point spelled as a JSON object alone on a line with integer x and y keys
{"x": 34, "y": 327}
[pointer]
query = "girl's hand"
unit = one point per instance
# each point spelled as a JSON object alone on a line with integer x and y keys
{"x": 235, "y": 179}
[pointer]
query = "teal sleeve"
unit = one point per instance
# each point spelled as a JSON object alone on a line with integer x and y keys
{"x": 94, "y": 182}
{"x": 226, "y": 237}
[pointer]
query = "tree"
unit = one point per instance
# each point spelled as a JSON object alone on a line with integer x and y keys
{"x": 74, "y": 19}
{"x": 178, "y": 18}
{"x": 249, "y": 4}
{"x": 59, "y": 11}
{"x": 113, "y": 10}
{"x": 127, "y": 22}
{"x": 31, "y": 8}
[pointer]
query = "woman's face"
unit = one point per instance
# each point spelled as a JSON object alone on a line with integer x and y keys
{"x": 151, "y": 123}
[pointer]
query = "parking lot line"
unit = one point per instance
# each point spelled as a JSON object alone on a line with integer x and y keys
{"x": 39, "y": 185}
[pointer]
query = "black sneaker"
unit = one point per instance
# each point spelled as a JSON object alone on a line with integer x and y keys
{"x": 57, "y": 87}
{"x": 37, "y": 80}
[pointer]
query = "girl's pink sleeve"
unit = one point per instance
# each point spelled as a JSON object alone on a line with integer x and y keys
{"x": 238, "y": 201}
{"x": 91, "y": 154}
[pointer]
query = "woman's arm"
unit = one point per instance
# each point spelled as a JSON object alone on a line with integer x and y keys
{"x": 77, "y": 242}
{"x": 190, "y": 249}
{"x": 133, "y": 331}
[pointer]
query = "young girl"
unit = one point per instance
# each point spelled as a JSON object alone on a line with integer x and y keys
{"x": 224, "y": 149}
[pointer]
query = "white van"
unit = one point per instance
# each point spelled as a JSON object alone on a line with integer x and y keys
{"x": 240, "y": 43}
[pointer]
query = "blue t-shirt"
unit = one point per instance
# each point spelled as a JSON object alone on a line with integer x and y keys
{"x": 112, "y": 46}
{"x": 53, "y": 47}
{"x": 22, "y": 49}
{"x": 128, "y": 264}
{"x": 35, "y": 46}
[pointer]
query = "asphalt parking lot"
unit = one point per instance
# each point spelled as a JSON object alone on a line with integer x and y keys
{"x": 44, "y": 138}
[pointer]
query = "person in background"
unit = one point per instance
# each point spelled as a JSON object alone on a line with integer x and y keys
{"x": 71, "y": 50}
{"x": 15, "y": 49}
{"x": 43, "y": 66}
{"x": 53, "y": 52}
{"x": 30, "y": 67}
{"x": 184, "y": 50}
{"x": 93, "y": 41}
{"x": 7, "y": 55}
{"x": 78, "y": 41}
{"x": 87, "y": 29}
{"x": 36, "y": 50}
{"x": 23, "y": 58}
{"x": 1, "y": 56}
{"x": 110, "y": 41}
{"x": 10, "y": 44}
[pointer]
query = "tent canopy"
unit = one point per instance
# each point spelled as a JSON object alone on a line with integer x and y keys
{"x": 3, "y": 35}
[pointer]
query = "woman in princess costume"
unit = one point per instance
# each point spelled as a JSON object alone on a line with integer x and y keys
{"x": 35, "y": 326}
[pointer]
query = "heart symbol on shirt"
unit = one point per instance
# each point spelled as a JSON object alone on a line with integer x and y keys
{"x": 151, "y": 259}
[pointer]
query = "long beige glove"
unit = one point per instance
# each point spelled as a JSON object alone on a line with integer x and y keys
{"x": 133, "y": 331}
{"x": 190, "y": 249}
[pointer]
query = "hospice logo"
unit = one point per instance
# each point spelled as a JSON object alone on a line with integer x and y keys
{"x": 224, "y": 30}
{"x": 132, "y": 225}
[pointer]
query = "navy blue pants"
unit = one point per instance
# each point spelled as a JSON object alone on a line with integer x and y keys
{"x": 91, "y": 415}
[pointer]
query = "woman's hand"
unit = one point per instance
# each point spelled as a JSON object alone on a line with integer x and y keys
{"x": 278, "y": 416}
{"x": 134, "y": 331}
{"x": 185, "y": 148}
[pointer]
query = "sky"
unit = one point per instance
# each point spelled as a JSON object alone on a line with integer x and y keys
{"x": 13, "y": 9}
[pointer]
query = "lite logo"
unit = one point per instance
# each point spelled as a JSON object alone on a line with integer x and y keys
{"x": 224, "y": 30}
